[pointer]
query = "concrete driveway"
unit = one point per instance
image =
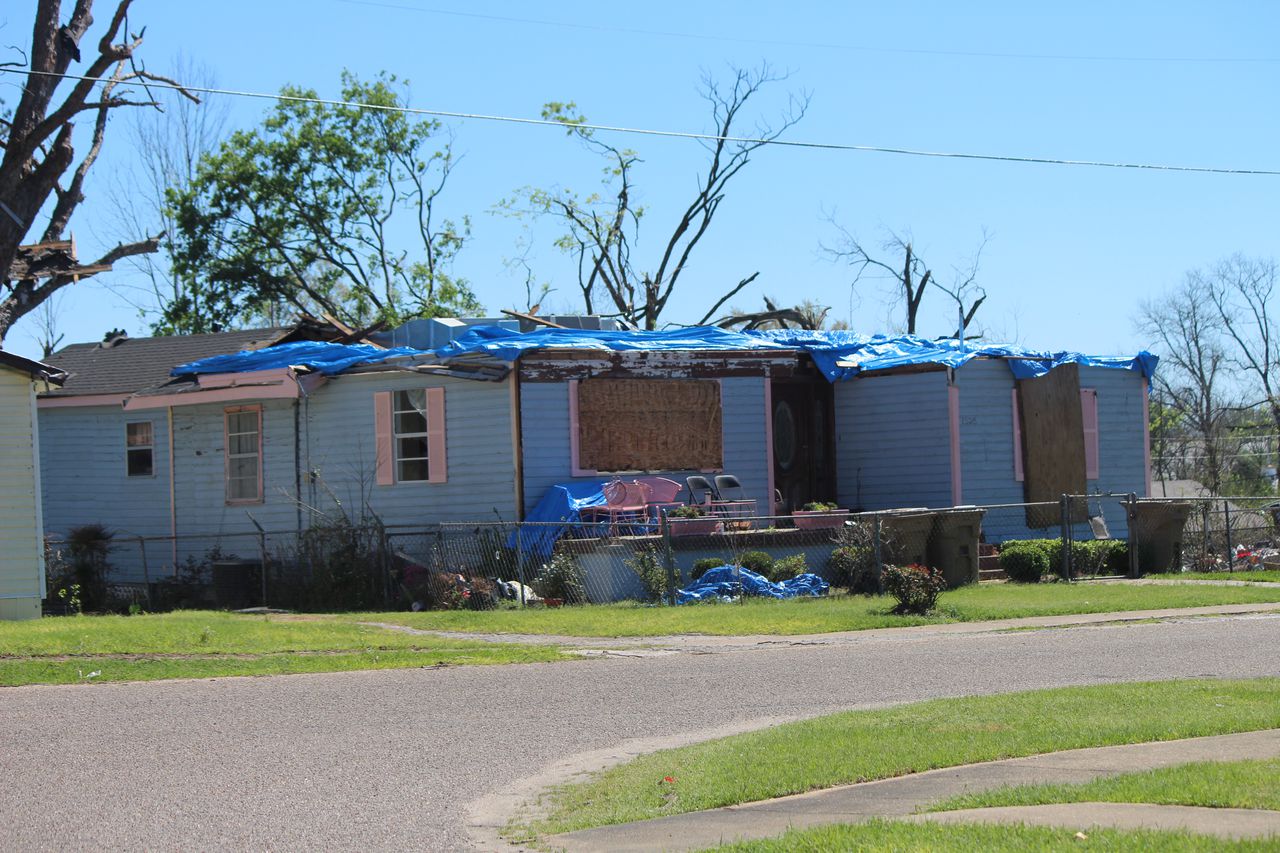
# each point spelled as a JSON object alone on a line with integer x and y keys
{"x": 407, "y": 758}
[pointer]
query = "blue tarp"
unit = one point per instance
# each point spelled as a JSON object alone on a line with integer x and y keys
{"x": 722, "y": 584}
{"x": 839, "y": 354}
{"x": 563, "y": 502}
{"x": 319, "y": 356}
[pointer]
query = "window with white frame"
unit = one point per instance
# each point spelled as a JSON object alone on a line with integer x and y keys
{"x": 412, "y": 446}
{"x": 139, "y": 448}
{"x": 244, "y": 454}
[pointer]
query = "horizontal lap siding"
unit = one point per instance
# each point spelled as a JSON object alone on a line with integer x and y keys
{"x": 84, "y": 481}
{"x": 893, "y": 441}
{"x": 341, "y": 446}
{"x": 20, "y": 535}
{"x": 545, "y": 439}
{"x": 987, "y": 448}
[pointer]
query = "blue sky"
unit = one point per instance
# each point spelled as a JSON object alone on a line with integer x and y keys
{"x": 1073, "y": 250}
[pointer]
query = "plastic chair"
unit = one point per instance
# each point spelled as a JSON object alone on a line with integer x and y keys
{"x": 622, "y": 501}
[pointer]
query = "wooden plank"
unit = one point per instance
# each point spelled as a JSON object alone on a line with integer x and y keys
{"x": 649, "y": 425}
{"x": 529, "y": 318}
{"x": 1052, "y": 441}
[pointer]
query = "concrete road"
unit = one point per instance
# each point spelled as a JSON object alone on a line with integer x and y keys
{"x": 403, "y": 758}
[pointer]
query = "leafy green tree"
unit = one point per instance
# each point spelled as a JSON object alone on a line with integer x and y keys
{"x": 305, "y": 214}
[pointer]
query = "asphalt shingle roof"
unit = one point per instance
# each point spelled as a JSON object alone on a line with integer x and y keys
{"x": 133, "y": 364}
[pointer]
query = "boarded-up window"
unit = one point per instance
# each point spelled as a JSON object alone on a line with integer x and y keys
{"x": 1053, "y": 440}
{"x": 649, "y": 425}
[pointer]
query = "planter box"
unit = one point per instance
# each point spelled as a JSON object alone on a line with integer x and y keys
{"x": 820, "y": 519}
{"x": 694, "y": 526}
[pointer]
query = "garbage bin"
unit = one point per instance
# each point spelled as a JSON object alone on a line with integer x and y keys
{"x": 906, "y": 535}
{"x": 953, "y": 548}
{"x": 1157, "y": 530}
{"x": 237, "y": 584}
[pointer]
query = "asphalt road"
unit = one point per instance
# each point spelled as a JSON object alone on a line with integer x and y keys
{"x": 395, "y": 759}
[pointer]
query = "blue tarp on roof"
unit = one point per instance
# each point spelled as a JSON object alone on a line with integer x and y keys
{"x": 839, "y": 355}
{"x": 319, "y": 356}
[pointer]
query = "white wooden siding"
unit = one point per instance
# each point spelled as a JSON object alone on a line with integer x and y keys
{"x": 21, "y": 545}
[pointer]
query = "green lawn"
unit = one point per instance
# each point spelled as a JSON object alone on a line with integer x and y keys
{"x": 1214, "y": 784}
{"x": 1259, "y": 576}
{"x": 859, "y": 746}
{"x": 902, "y": 837}
{"x": 823, "y": 615}
{"x": 203, "y": 644}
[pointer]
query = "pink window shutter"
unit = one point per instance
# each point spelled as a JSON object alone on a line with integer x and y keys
{"x": 1017, "y": 440}
{"x": 1089, "y": 410}
{"x": 437, "y": 449}
{"x": 385, "y": 463}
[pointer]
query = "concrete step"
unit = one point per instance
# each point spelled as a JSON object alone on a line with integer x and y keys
{"x": 991, "y": 575}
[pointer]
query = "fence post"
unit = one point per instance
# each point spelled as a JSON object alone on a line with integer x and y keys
{"x": 384, "y": 543}
{"x": 1064, "y": 509}
{"x": 520, "y": 560}
{"x": 668, "y": 557}
{"x": 1132, "y": 524}
{"x": 1231, "y": 551}
{"x": 1205, "y": 513}
{"x": 146, "y": 572}
{"x": 878, "y": 549}
{"x": 262, "y": 551}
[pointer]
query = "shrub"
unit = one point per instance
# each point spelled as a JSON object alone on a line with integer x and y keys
{"x": 915, "y": 587}
{"x": 1024, "y": 562}
{"x": 757, "y": 561}
{"x": 787, "y": 568}
{"x": 687, "y": 511}
{"x": 562, "y": 578}
{"x": 706, "y": 564}
{"x": 648, "y": 565}
{"x": 854, "y": 567}
{"x": 820, "y": 506}
{"x": 83, "y": 566}
{"x": 1100, "y": 556}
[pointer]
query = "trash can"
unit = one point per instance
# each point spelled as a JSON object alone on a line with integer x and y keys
{"x": 1157, "y": 530}
{"x": 953, "y": 548}
{"x": 906, "y": 535}
{"x": 237, "y": 584}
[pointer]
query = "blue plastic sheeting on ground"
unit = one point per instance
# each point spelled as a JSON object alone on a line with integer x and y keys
{"x": 844, "y": 355}
{"x": 723, "y": 584}
{"x": 509, "y": 345}
{"x": 563, "y": 502}
{"x": 319, "y": 356}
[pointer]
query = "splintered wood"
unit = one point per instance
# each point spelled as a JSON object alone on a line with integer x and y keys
{"x": 1053, "y": 442}
{"x": 649, "y": 424}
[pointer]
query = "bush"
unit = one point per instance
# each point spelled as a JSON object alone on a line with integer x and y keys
{"x": 915, "y": 587}
{"x": 78, "y": 577}
{"x": 1100, "y": 556}
{"x": 1024, "y": 562}
{"x": 854, "y": 567}
{"x": 706, "y": 564}
{"x": 562, "y": 578}
{"x": 658, "y": 583}
{"x": 787, "y": 568}
{"x": 757, "y": 561}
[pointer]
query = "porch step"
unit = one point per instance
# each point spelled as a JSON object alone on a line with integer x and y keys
{"x": 991, "y": 575}
{"x": 989, "y": 563}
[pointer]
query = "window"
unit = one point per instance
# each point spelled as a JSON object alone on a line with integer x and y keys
{"x": 138, "y": 447}
{"x": 244, "y": 454}
{"x": 410, "y": 432}
{"x": 646, "y": 425}
{"x": 409, "y": 416}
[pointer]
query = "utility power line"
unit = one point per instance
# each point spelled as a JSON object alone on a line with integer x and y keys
{"x": 673, "y": 134}
{"x": 862, "y": 48}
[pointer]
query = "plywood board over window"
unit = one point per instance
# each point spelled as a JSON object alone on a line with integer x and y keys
{"x": 1053, "y": 442}
{"x": 649, "y": 425}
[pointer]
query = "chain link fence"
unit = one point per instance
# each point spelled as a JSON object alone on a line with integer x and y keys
{"x": 650, "y": 558}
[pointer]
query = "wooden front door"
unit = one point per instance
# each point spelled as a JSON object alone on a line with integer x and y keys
{"x": 803, "y": 457}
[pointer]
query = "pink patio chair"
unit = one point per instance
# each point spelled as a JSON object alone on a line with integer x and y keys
{"x": 662, "y": 494}
{"x": 623, "y": 501}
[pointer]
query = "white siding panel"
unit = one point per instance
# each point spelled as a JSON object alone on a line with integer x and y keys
{"x": 21, "y": 539}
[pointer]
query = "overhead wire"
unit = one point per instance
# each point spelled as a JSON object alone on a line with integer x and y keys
{"x": 672, "y": 134}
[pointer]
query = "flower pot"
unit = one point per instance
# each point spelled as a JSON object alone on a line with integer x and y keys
{"x": 693, "y": 526}
{"x": 819, "y": 519}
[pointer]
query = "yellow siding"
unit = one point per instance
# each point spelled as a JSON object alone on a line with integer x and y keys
{"x": 21, "y": 553}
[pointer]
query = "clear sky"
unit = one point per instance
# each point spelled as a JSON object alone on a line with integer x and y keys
{"x": 1073, "y": 250}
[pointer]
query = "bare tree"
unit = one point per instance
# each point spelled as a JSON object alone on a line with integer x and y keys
{"x": 912, "y": 277}
{"x": 39, "y": 164}
{"x": 1191, "y": 382}
{"x": 169, "y": 145}
{"x": 602, "y": 230}
{"x": 1241, "y": 291}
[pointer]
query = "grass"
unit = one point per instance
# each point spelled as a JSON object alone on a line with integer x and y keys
{"x": 206, "y": 644}
{"x": 859, "y": 746}
{"x": 901, "y": 837}
{"x": 1252, "y": 576}
{"x": 834, "y": 613}
{"x": 1213, "y": 784}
